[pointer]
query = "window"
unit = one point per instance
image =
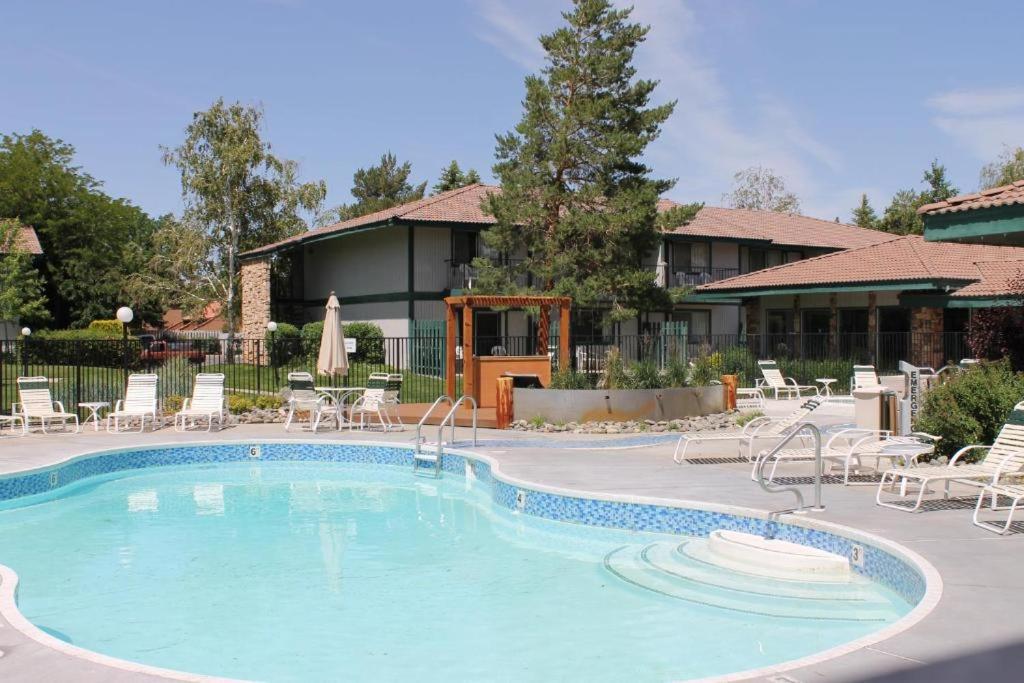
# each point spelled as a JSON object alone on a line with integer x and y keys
{"x": 463, "y": 246}
{"x": 815, "y": 330}
{"x": 587, "y": 326}
{"x": 853, "y": 334}
{"x": 698, "y": 323}
{"x": 793, "y": 256}
{"x": 758, "y": 259}
{"x": 689, "y": 257}
{"x": 773, "y": 258}
{"x": 779, "y": 332}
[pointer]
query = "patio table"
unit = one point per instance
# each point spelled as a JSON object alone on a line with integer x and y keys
{"x": 338, "y": 396}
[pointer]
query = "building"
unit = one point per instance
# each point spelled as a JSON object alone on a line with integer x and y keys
{"x": 394, "y": 267}
{"x": 994, "y": 216}
{"x": 903, "y": 298}
{"x": 26, "y": 240}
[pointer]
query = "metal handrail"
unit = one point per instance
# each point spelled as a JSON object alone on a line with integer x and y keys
{"x": 451, "y": 415}
{"x": 419, "y": 425}
{"x": 818, "y": 467}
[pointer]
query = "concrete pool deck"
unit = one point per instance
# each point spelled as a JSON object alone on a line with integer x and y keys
{"x": 983, "y": 593}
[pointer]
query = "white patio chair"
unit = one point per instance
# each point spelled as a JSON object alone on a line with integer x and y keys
{"x": 391, "y": 397}
{"x": 864, "y": 376}
{"x": 305, "y": 398}
{"x": 139, "y": 402}
{"x": 1004, "y": 459}
{"x": 372, "y": 402}
{"x": 762, "y": 427}
{"x": 207, "y": 402}
{"x": 775, "y": 382}
{"x": 37, "y": 405}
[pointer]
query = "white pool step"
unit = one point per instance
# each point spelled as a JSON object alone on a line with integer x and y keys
{"x": 659, "y": 568}
{"x": 774, "y": 558}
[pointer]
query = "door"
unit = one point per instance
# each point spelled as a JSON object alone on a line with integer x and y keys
{"x": 893, "y": 337}
{"x": 487, "y": 333}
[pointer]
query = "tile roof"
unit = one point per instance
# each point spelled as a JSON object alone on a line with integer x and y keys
{"x": 778, "y": 228}
{"x": 462, "y": 205}
{"x": 898, "y": 259}
{"x": 26, "y": 240}
{"x": 996, "y": 196}
{"x": 998, "y": 278}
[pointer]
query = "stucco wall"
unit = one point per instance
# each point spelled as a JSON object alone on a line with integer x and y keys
{"x": 432, "y": 247}
{"x": 372, "y": 262}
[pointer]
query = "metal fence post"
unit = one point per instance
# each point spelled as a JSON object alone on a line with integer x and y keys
{"x": 259, "y": 362}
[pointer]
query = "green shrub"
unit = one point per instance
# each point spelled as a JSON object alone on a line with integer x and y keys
{"x": 677, "y": 373}
{"x": 739, "y": 361}
{"x": 175, "y": 375}
{"x": 82, "y": 347}
{"x": 173, "y": 403}
{"x": 706, "y": 368}
{"x": 643, "y": 375}
{"x": 311, "y": 334}
{"x": 613, "y": 376}
{"x": 285, "y": 344}
{"x": 745, "y": 417}
{"x": 570, "y": 379}
{"x": 971, "y": 408}
{"x": 239, "y": 404}
{"x": 265, "y": 402}
{"x": 369, "y": 342}
{"x": 106, "y": 329}
{"x": 807, "y": 370}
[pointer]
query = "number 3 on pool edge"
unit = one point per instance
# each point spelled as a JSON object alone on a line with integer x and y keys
{"x": 857, "y": 555}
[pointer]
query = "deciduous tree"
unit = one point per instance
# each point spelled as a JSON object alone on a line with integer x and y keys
{"x": 900, "y": 217}
{"x": 21, "y": 283}
{"x": 1008, "y": 168}
{"x": 578, "y": 204}
{"x": 761, "y": 189}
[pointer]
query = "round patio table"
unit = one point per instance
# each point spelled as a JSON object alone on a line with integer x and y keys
{"x": 94, "y": 408}
{"x": 338, "y": 396}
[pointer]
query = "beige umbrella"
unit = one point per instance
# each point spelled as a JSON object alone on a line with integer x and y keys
{"x": 332, "y": 359}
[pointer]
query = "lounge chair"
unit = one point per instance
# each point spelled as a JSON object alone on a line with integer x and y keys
{"x": 851, "y": 447}
{"x": 37, "y": 405}
{"x": 372, "y": 402}
{"x": 139, "y": 402}
{"x": 759, "y": 428}
{"x": 864, "y": 376}
{"x": 305, "y": 398}
{"x": 10, "y": 421}
{"x": 1004, "y": 458}
{"x": 1015, "y": 492}
{"x": 774, "y": 381}
{"x": 391, "y": 396}
{"x": 207, "y": 402}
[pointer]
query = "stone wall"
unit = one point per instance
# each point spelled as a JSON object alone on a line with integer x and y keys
{"x": 255, "y": 291}
{"x": 926, "y": 329}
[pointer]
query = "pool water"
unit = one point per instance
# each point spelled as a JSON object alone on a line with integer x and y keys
{"x": 325, "y": 571}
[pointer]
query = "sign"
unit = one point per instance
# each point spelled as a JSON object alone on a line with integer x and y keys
{"x": 857, "y": 555}
{"x": 914, "y": 388}
{"x": 254, "y": 451}
{"x": 350, "y": 345}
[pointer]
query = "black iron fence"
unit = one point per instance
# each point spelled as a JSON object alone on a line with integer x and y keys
{"x": 96, "y": 370}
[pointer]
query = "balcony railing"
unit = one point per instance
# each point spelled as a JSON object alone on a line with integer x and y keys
{"x": 464, "y": 275}
{"x": 691, "y": 277}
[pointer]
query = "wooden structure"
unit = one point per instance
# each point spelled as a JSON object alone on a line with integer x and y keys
{"x": 479, "y": 374}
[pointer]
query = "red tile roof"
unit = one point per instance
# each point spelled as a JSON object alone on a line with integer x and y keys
{"x": 463, "y": 205}
{"x": 26, "y": 240}
{"x": 998, "y": 278}
{"x": 996, "y": 196}
{"x": 899, "y": 259}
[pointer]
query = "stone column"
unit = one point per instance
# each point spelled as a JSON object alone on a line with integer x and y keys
{"x": 926, "y": 346}
{"x": 255, "y": 288}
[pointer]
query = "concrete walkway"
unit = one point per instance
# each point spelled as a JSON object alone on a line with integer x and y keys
{"x": 980, "y": 608}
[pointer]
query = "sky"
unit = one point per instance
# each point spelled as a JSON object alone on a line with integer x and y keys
{"x": 839, "y": 98}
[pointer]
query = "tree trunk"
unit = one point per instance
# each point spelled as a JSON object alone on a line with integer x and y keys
{"x": 232, "y": 249}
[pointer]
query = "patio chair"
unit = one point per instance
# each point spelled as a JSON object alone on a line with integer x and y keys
{"x": 774, "y": 381}
{"x": 763, "y": 427}
{"x": 207, "y": 402}
{"x": 1004, "y": 458}
{"x": 391, "y": 396}
{"x": 371, "y": 402}
{"x": 10, "y": 421}
{"x": 139, "y": 402}
{"x": 37, "y": 405}
{"x": 851, "y": 447}
{"x": 864, "y": 376}
{"x": 1015, "y": 492}
{"x": 305, "y": 398}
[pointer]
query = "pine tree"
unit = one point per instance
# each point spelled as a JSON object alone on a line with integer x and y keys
{"x": 452, "y": 178}
{"x": 577, "y": 203}
{"x": 900, "y": 217}
{"x": 376, "y": 188}
{"x": 864, "y": 215}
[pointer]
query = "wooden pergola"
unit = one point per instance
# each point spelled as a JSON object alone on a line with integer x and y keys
{"x": 471, "y": 302}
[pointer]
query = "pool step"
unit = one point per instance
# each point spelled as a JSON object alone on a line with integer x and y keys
{"x": 775, "y": 558}
{"x": 659, "y": 568}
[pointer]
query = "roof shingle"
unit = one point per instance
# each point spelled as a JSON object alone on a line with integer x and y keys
{"x": 26, "y": 240}
{"x": 1004, "y": 195}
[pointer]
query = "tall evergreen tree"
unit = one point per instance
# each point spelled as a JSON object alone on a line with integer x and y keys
{"x": 377, "y": 188}
{"x": 900, "y": 217}
{"x": 864, "y": 215}
{"x": 452, "y": 178}
{"x": 577, "y": 203}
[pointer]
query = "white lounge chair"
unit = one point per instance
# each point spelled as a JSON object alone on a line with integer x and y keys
{"x": 37, "y": 405}
{"x": 774, "y": 381}
{"x": 851, "y": 447}
{"x": 391, "y": 396}
{"x": 763, "y": 427}
{"x": 139, "y": 402}
{"x": 207, "y": 402}
{"x": 1003, "y": 459}
{"x": 372, "y": 402}
{"x": 10, "y": 421}
{"x": 1015, "y": 492}
{"x": 864, "y": 376}
{"x": 305, "y": 398}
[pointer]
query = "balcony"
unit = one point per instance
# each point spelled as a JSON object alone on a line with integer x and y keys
{"x": 462, "y": 276}
{"x": 700, "y": 275}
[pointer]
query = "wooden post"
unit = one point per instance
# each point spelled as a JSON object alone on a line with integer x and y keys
{"x": 449, "y": 350}
{"x": 469, "y": 387}
{"x": 729, "y": 385}
{"x": 564, "y": 362}
{"x": 543, "y": 331}
{"x": 503, "y": 402}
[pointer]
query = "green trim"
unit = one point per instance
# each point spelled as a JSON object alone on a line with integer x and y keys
{"x": 828, "y": 289}
{"x": 679, "y": 237}
{"x": 386, "y": 297}
{"x": 710, "y": 298}
{"x": 1005, "y": 224}
{"x": 412, "y": 271}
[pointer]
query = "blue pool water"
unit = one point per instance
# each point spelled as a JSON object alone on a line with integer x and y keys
{"x": 325, "y": 571}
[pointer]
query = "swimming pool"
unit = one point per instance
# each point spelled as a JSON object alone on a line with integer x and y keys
{"x": 287, "y": 562}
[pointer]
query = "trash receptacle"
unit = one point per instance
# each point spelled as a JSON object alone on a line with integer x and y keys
{"x": 524, "y": 380}
{"x": 875, "y": 408}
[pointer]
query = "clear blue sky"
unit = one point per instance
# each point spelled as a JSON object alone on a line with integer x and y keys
{"x": 839, "y": 97}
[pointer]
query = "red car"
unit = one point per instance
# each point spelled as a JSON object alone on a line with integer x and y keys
{"x": 159, "y": 351}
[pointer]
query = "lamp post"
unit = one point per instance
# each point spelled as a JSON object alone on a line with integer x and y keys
{"x": 271, "y": 328}
{"x": 125, "y": 315}
{"x": 26, "y": 332}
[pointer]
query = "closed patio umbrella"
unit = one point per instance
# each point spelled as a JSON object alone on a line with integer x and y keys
{"x": 332, "y": 359}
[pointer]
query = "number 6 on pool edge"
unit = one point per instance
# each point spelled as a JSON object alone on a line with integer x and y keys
{"x": 254, "y": 451}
